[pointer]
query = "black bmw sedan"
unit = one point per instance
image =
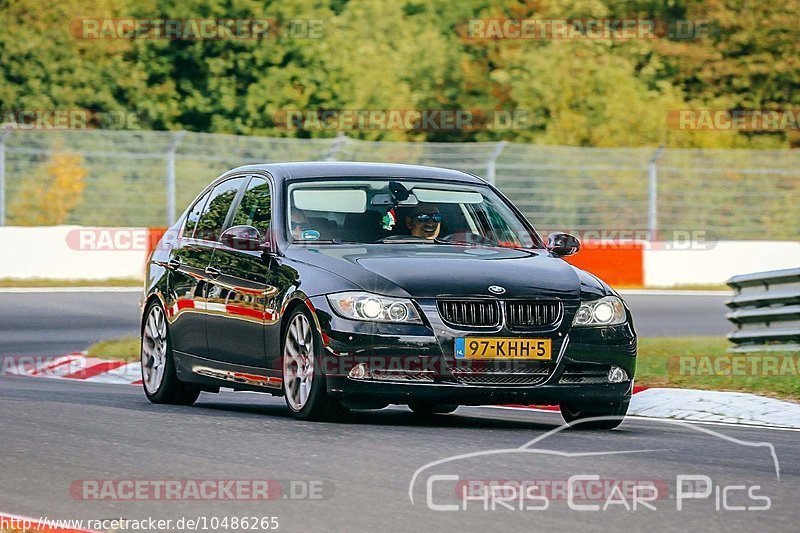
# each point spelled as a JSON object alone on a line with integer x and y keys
{"x": 359, "y": 285}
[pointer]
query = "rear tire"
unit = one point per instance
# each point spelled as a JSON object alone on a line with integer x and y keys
{"x": 427, "y": 409}
{"x": 159, "y": 379}
{"x": 613, "y": 412}
{"x": 304, "y": 383}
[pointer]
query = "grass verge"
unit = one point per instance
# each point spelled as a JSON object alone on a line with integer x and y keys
{"x": 703, "y": 362}
{"x": 48, "y": 282}
{"x": 124, "y": 348}
{"x": 678, "y": 362}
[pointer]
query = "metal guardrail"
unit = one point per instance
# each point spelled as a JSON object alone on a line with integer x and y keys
{"x": 766, "y": 311}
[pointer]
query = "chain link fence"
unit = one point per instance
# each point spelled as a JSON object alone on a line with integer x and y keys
{"x": 144, "y": 178}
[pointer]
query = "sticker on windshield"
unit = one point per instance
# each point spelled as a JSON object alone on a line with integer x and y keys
{"x": 310, "y": 235}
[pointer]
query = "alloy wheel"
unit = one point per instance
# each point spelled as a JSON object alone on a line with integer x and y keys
{"x": 298, "y": 362}
{"x": 154, "y": 349}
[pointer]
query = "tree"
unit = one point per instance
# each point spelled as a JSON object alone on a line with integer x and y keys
{"x": 412, "y": 55}
{"x": 48, "y": 196}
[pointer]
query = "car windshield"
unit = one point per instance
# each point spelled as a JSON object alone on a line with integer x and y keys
{"x": 383, "y": 211}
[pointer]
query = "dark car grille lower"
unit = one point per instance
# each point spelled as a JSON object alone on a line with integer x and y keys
{"x": 587, "y": 373}
{"x": 471, "y": 313}
{"x": 501, "y": 372}
{"x": 533, "y": 314}
{"x": 501, "y": 378}
{"x": 407, "y": 376}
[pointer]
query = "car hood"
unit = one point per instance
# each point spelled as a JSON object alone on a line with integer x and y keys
{"x": 430, "y": 270}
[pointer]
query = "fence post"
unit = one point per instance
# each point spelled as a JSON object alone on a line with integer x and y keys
{"x": 652, "y": 202}
{"x": 338, "y": 142}
{"x": 491, "y": 168}
{"x": 3, "y": 137}
{"x": 171, "y": 176}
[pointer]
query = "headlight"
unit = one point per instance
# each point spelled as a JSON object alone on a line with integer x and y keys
{"x": 367, "y": 306}
{"x": 606, "y": 311}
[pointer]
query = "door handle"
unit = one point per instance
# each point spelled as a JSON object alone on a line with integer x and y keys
{"x": 213, "y": 272}
{"x": 174, "y": 263}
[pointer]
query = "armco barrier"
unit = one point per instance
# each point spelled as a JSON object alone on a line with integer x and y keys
{"x": 766, "y": 311}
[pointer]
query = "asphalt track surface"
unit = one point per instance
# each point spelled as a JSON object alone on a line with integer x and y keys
{"x": 56, "y": 434}
{"x": 54, "y": 323}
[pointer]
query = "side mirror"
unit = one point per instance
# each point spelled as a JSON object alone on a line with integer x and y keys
{"x": 563, "y": 244}
{"x": 244, "y": 238}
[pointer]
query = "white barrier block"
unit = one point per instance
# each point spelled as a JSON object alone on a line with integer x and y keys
{"x": 666, "y": 268}
{"x": 72, "y": 252}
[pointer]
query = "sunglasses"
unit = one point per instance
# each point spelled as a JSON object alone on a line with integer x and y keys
{"x": 428, "y": 217}
{"x": 299, "y": 225}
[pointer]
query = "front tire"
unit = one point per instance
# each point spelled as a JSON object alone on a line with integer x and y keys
{"x": 304, "y": 384}
{"x": 613, "y": 414}
{"x": 159, "y": 379}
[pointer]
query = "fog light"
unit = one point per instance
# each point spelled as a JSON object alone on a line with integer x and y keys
{"x": 359, "y": 371}
{"x": 617, "y": 375}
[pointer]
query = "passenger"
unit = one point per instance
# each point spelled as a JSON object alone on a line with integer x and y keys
{"x": 299, "y": 224}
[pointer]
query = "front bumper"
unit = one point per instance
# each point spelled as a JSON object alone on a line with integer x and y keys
{"x": 372, "y": 392}
{"x": 577, "y": 374}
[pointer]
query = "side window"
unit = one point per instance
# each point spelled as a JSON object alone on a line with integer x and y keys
{"x": 216, "y": 210}
{"x": 193, "y": 216}
{"x": 494, "y": 225}
{"x": 255, "y": 208}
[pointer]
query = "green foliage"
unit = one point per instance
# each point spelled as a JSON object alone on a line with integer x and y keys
{"x": 49, "y": 194}
{"x": 412, "y": 54}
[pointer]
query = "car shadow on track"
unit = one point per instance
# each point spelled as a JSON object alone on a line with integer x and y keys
{"x": 238, "y": 405}
{"x": 393, "y": 416}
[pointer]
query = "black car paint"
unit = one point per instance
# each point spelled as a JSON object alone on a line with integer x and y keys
{"x": 207, "y": 331}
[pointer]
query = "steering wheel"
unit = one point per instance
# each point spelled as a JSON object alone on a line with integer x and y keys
{"x": 467, "y": 237}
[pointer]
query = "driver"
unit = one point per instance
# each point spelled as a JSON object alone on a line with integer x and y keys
{"x": 424, "y": 221}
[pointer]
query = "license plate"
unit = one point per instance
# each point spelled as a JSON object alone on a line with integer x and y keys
{"x": 503, "y": 348}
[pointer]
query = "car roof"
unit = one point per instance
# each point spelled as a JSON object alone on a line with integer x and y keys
{"x": 349, "y": 169}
